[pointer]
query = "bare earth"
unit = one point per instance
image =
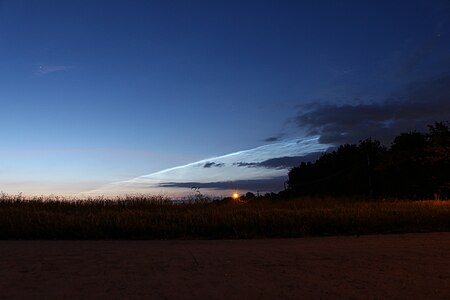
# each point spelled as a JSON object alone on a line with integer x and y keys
{"x": 408, "y": 266}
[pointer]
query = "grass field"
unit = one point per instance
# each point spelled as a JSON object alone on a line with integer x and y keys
{"x": 146, "y": 217}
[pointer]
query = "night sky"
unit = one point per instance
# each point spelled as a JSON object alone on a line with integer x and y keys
{"x": 159, "y": 96}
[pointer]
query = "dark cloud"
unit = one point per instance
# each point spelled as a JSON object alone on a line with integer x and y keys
{"x": 246, "y": 164}
{"x": 414, "y": 108}
{"x": 285, "y": 162}
{"x": 274, "y": 184}
{"x": 272, "y": 139}
{"x": 289, "y": 161}
{"x": 213, "y": 164}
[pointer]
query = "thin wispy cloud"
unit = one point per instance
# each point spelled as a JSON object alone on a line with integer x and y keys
{"x": 43, "y": 69}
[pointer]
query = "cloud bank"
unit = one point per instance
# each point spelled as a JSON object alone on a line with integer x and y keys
{"x": 270, "y": 184}
{"x": 285, "y": 162}
{"x": 417, "y": 106}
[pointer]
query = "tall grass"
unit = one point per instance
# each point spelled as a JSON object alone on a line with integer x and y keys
{"x": 146, "y": 217}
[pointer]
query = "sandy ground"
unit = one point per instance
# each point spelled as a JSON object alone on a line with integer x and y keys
{"x": 409, "y": 266}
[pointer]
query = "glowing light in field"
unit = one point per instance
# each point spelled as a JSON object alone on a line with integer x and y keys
{"x": 235, "y": 196}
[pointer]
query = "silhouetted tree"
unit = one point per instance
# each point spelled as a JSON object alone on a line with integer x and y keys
{"x": 416, "y": 165}
{"x": 438, "y": 158}
{"x": 404, "y": 170}
{"x": 346, "y": 171}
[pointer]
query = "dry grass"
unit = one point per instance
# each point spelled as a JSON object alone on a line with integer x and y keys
{"x": 146, "y": 217}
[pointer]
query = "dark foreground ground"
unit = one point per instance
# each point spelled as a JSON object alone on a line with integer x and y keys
{"x": 408, "y": 266}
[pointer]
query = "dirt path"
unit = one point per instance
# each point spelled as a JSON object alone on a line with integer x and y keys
{"x": 409, "y": 266}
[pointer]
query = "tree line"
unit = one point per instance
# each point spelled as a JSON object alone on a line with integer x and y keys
{"x": 416, "y": 166}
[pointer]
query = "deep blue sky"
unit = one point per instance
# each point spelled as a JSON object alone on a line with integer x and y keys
{"x": 99, "y": 91}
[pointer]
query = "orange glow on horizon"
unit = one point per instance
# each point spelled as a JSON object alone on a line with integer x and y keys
{"x": 235, "y": 195}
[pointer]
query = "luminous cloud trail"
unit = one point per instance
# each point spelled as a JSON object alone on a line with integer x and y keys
{"x": 261, "y": 169}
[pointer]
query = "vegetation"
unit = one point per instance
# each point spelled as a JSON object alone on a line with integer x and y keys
{"x": 415, "y": 166}
{"x": 143, "y": 217}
